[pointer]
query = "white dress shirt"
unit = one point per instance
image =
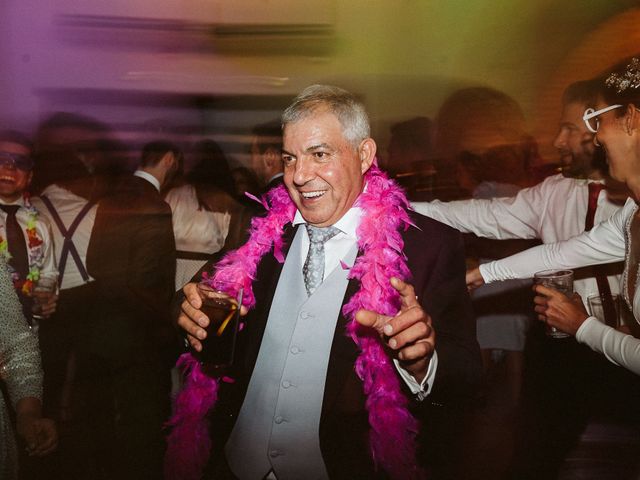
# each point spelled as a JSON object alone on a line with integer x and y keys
{"x": 554, "y": 210}
{"x": 67, "y": 204}
{"x": 335, "y": 249}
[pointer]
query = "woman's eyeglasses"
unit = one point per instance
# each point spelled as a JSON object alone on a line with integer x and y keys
{"x": 590, "y": 117}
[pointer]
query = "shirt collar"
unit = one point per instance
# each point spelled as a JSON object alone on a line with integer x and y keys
{"x": 148, "y": 177}
{"x": 277, "y": 175}
{"x": 20, "y": 201}
{"x": 348, "y": 224}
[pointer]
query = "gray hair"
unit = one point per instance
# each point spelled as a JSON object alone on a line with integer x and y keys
{"x": 344, "y": 105}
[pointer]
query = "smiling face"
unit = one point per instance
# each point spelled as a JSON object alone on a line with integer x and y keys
{"x": 618, "y": 138}
{"x": 574, "y": 142}
{"x": 13, "y": 181}
{"x": 323, "y": 171}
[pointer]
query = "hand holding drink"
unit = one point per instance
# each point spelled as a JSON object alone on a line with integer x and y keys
{"x": 562, "y": 282}
{"x": 44, "y": 295}
{"x": 223, "y": 310}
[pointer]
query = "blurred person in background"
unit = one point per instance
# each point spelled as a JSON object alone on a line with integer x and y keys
{"x": 130, "y": 344}
{"x": 69, "y": 202}
{"x": 22, "y": 381}
{"x": 266, "y": 154}
{"x": 246, "y": 182}
{"x": 483, "y": 132}
{"x": 410, "y": 155}
{"x": 26, "y": 242}
{"x": 493, "y": 120}
{"x": 64, "y": 135}
{"x": 206, "y": 216}
{"x": 560, "y": 376}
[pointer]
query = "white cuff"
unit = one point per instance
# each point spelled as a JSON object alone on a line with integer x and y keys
{"x": 422, "y": 389}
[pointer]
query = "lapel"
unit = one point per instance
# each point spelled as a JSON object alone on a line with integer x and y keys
{"x": 343, "y": 355}
{"x": 264, "y": 289}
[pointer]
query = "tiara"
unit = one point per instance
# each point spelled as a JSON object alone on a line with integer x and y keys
{"x": 629, "y": 79}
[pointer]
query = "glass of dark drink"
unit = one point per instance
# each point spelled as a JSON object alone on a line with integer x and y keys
{"x": 221, "y": 303}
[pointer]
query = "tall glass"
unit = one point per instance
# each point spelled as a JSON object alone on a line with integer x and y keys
{"x": 597, "y": 305}
{"x": 561, "y": 280}
{"x": 221, "y": 302}
{"x": 44, "y": 288}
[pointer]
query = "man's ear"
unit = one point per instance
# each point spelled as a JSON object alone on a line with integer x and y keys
{"x": 367, "y": 153}
{"x": 29, "y": 178}
{"x": 270, "y": 158}
{"x": 168, "y": 160}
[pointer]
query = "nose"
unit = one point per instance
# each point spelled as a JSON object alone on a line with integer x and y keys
{"x": 561, "y": 139}
{"x": 303, "y": 172}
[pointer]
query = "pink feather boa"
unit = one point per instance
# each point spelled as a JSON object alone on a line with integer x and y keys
{"x": 393, "y": 429}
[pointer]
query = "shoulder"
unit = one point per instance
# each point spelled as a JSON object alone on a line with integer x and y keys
{"x": 428, "y": 227}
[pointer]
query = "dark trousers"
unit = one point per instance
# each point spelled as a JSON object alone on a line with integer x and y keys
{"x": 124, "y": 410}
{"x": 565, "y": 385}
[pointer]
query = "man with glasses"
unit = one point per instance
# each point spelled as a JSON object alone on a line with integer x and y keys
{"x": 25, "y": 237}
{"x": 560, "y": 374}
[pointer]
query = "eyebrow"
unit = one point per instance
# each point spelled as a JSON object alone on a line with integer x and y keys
{"x": 309, "y": 149}
{"x": 320, "y": 145}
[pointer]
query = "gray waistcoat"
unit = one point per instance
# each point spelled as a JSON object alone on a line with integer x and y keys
{"x": 278, "y": 425}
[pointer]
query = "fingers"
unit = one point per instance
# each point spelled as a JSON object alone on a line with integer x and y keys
{"x": 47, "y": 438}
{"x": 474, "y": 279}
{"x": 367, "y": 318}
{"x": 406, "y": 291}
{"x": 548, "y": 291}
{"x": 191, "y": 319}
{"x": 417, "y": 351}
{"x": 191, "y": 295}
{"x": 409, "y": 326}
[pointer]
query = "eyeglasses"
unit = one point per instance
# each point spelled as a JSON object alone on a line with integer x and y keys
{"x": 590, "y": 117}
{"x": 15, "y": 160}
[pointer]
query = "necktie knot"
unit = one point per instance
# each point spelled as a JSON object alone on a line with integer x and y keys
{"x": 321, "y": 235}
{"x": 10, "y": 209}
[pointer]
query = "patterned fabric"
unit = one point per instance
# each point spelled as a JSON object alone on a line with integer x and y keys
{"x": 16, "y": 241}
{"x": 19, "y": 368}
{"x": 313, "y": 269}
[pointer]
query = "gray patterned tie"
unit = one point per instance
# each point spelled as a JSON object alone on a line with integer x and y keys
{"x": 313, "y": 269}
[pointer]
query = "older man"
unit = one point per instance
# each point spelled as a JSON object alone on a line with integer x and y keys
{"x": 297, "y": 408}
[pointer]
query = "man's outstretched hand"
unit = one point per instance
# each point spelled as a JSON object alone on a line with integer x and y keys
{"x": 409, "y": 334}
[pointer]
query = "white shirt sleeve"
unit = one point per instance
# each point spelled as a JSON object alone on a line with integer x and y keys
{"x": 422, "y": 389}
{"x": 497, "y": 218}
{"x": 618, "y": 347}
{"x": 605, "y": 243}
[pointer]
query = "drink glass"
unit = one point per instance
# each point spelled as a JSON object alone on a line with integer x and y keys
{"x": 561, "y": 280}
{"x": 44, "y": 288}
{"x": 221, "y": 302}
{"x": 596, "y": 308}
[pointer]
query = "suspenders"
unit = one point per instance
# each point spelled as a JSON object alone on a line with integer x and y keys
{"x": 68, "y": 247}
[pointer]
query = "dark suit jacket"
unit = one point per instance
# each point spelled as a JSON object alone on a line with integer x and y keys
{"x": 132, "y": 256}
{"x": 436, "y": 260}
